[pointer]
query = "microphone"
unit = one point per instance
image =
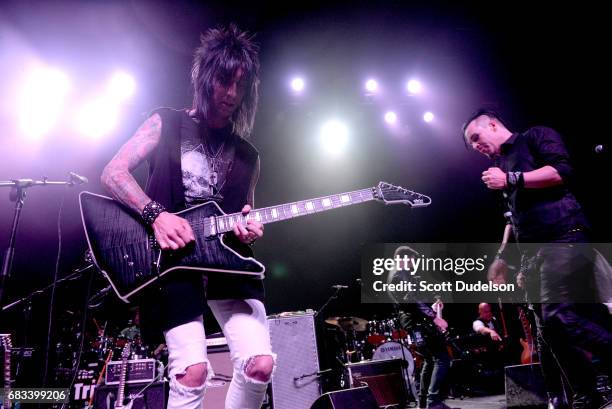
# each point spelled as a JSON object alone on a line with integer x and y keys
{"x": 600, "y": 149}
{"x": 339, "y": 286}
{"x": 78, "y": 179}
{"x": 96, "y": 299}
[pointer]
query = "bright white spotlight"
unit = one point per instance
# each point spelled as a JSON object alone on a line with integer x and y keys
{"x": 414, "y": 87}
{"x": 428, "y": 117}
{"x": 297, "y": 84}
{"x": 97, "y": 118}
{"x": 121, "y": 86}
{"x": 42, "y": 99}
{"x": 334, "y": 137}
{"x": 371, "y": 86}
{"x": 390, "y": 117}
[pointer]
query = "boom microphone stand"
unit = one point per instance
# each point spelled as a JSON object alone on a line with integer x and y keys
{"x": 18, "y": 195}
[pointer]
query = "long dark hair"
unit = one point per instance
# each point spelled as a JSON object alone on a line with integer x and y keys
{"x": 221, "y": 52}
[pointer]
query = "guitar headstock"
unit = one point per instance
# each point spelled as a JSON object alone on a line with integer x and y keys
{"x": 5, "y": 341}
{"x": 127, "y": 350}
{"x": 391, "y": 194}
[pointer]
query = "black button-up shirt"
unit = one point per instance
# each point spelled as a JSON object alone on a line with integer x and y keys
{"x": 540, "y": 214}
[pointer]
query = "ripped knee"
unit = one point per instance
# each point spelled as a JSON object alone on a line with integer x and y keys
{"x": 194, "y": 376}
{"x": 259, "y": 368}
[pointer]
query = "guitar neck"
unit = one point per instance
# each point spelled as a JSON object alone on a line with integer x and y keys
{"x": 5, "y": 342}
{"x": 287, "y": 211}
{"x": 526, "y": 326}
{"x": 437, "y": 306}
{"x": 503, "y": 318}
{"x": 121, "y": 391}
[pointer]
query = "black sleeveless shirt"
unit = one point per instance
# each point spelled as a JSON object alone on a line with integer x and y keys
{"x": 181, "y": 296}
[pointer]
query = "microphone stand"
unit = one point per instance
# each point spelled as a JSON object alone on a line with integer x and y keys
{"x": 28, "y": 298}
{"x": 17, "y": 195}
{"x": 332, "y": 297}
{"x": 320, "y": 325}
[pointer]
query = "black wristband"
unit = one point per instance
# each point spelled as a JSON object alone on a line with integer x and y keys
{"x": 521, "y": 180}
{"x": 515, "y": 179}
{"x": 151, "y": 211}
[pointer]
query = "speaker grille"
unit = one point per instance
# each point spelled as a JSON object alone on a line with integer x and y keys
{"x": 293, "y": 340}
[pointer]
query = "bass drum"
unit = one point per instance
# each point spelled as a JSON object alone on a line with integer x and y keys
{"x": 395, "y": 350}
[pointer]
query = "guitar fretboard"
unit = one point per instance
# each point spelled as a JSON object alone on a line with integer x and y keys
{"x": 290, "y": 210}
{"x": 5, "y": 344}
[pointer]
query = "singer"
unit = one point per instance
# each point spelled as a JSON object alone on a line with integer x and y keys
{"x": 198, "y": 155}
{"x": 533, "y": 171}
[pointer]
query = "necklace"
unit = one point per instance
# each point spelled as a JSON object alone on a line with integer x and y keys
{"x": 212, "y": 159}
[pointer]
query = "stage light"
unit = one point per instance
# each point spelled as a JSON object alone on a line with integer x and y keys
{"x": 42, "y": 99}
{"x": 428, "y": 117}
{"x": 121, "y": 86}
{"x": 371, "y": 86}
{"x": 390, "y": 117}
{"x": 414, "y": 87}
{"x": 97, "y": 118}
{"x": 297, "y": 84}
{"x": 334, "y": 137}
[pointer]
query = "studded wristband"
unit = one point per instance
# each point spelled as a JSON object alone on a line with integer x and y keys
{"x": 151, "y": 211}
{"x": 515, "y": 179}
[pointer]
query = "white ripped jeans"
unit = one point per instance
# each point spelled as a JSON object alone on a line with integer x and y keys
{"x": 245, "y": 328}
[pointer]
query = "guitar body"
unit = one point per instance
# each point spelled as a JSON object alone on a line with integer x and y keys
{"x": 528, "y": 355}
{"x": 124, "y": 249}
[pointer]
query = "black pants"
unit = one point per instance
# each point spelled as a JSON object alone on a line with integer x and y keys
{"x": 434, "y": 372}
{"x": 569, "y": 322}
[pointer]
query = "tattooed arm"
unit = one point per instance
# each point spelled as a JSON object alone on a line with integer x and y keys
{"x": 116, "y": 177}
{"x": 170, "y": 230}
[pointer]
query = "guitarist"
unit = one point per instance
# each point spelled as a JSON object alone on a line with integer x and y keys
{"x": 198, "y": 155}
{"x": 427, "y": 328}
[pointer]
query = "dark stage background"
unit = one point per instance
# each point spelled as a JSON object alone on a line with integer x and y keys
{"x": 538, "y": 64}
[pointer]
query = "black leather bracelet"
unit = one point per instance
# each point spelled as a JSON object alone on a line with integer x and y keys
{"x": 521, "y": 180}
{"x": 515, "y": 179}
{"x": 151, "y": 211}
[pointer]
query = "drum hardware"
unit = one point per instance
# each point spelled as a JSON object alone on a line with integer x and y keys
{"x": 351, "y": 330}
{"x": 381, "y": 331}
{"x": 348, "y": 323}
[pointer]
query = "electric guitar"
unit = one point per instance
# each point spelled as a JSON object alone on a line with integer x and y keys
{"x": 120, "y": 401}
{"x": 438, "y": 306}
{"x": 529, "y": 354}
{"x": 5, "y": 343}
{"x": 124, "y": 249}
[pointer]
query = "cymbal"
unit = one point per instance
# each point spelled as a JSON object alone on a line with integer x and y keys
{"x": 348, "y": 323}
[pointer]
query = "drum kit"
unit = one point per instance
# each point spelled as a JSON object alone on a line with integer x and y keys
{"x": 374, "y": 341}
{"x": 363, "y": 339}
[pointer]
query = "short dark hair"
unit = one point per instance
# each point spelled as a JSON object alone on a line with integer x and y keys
{"x": 491, "y": 113}
{"x": 223, "y": 51}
